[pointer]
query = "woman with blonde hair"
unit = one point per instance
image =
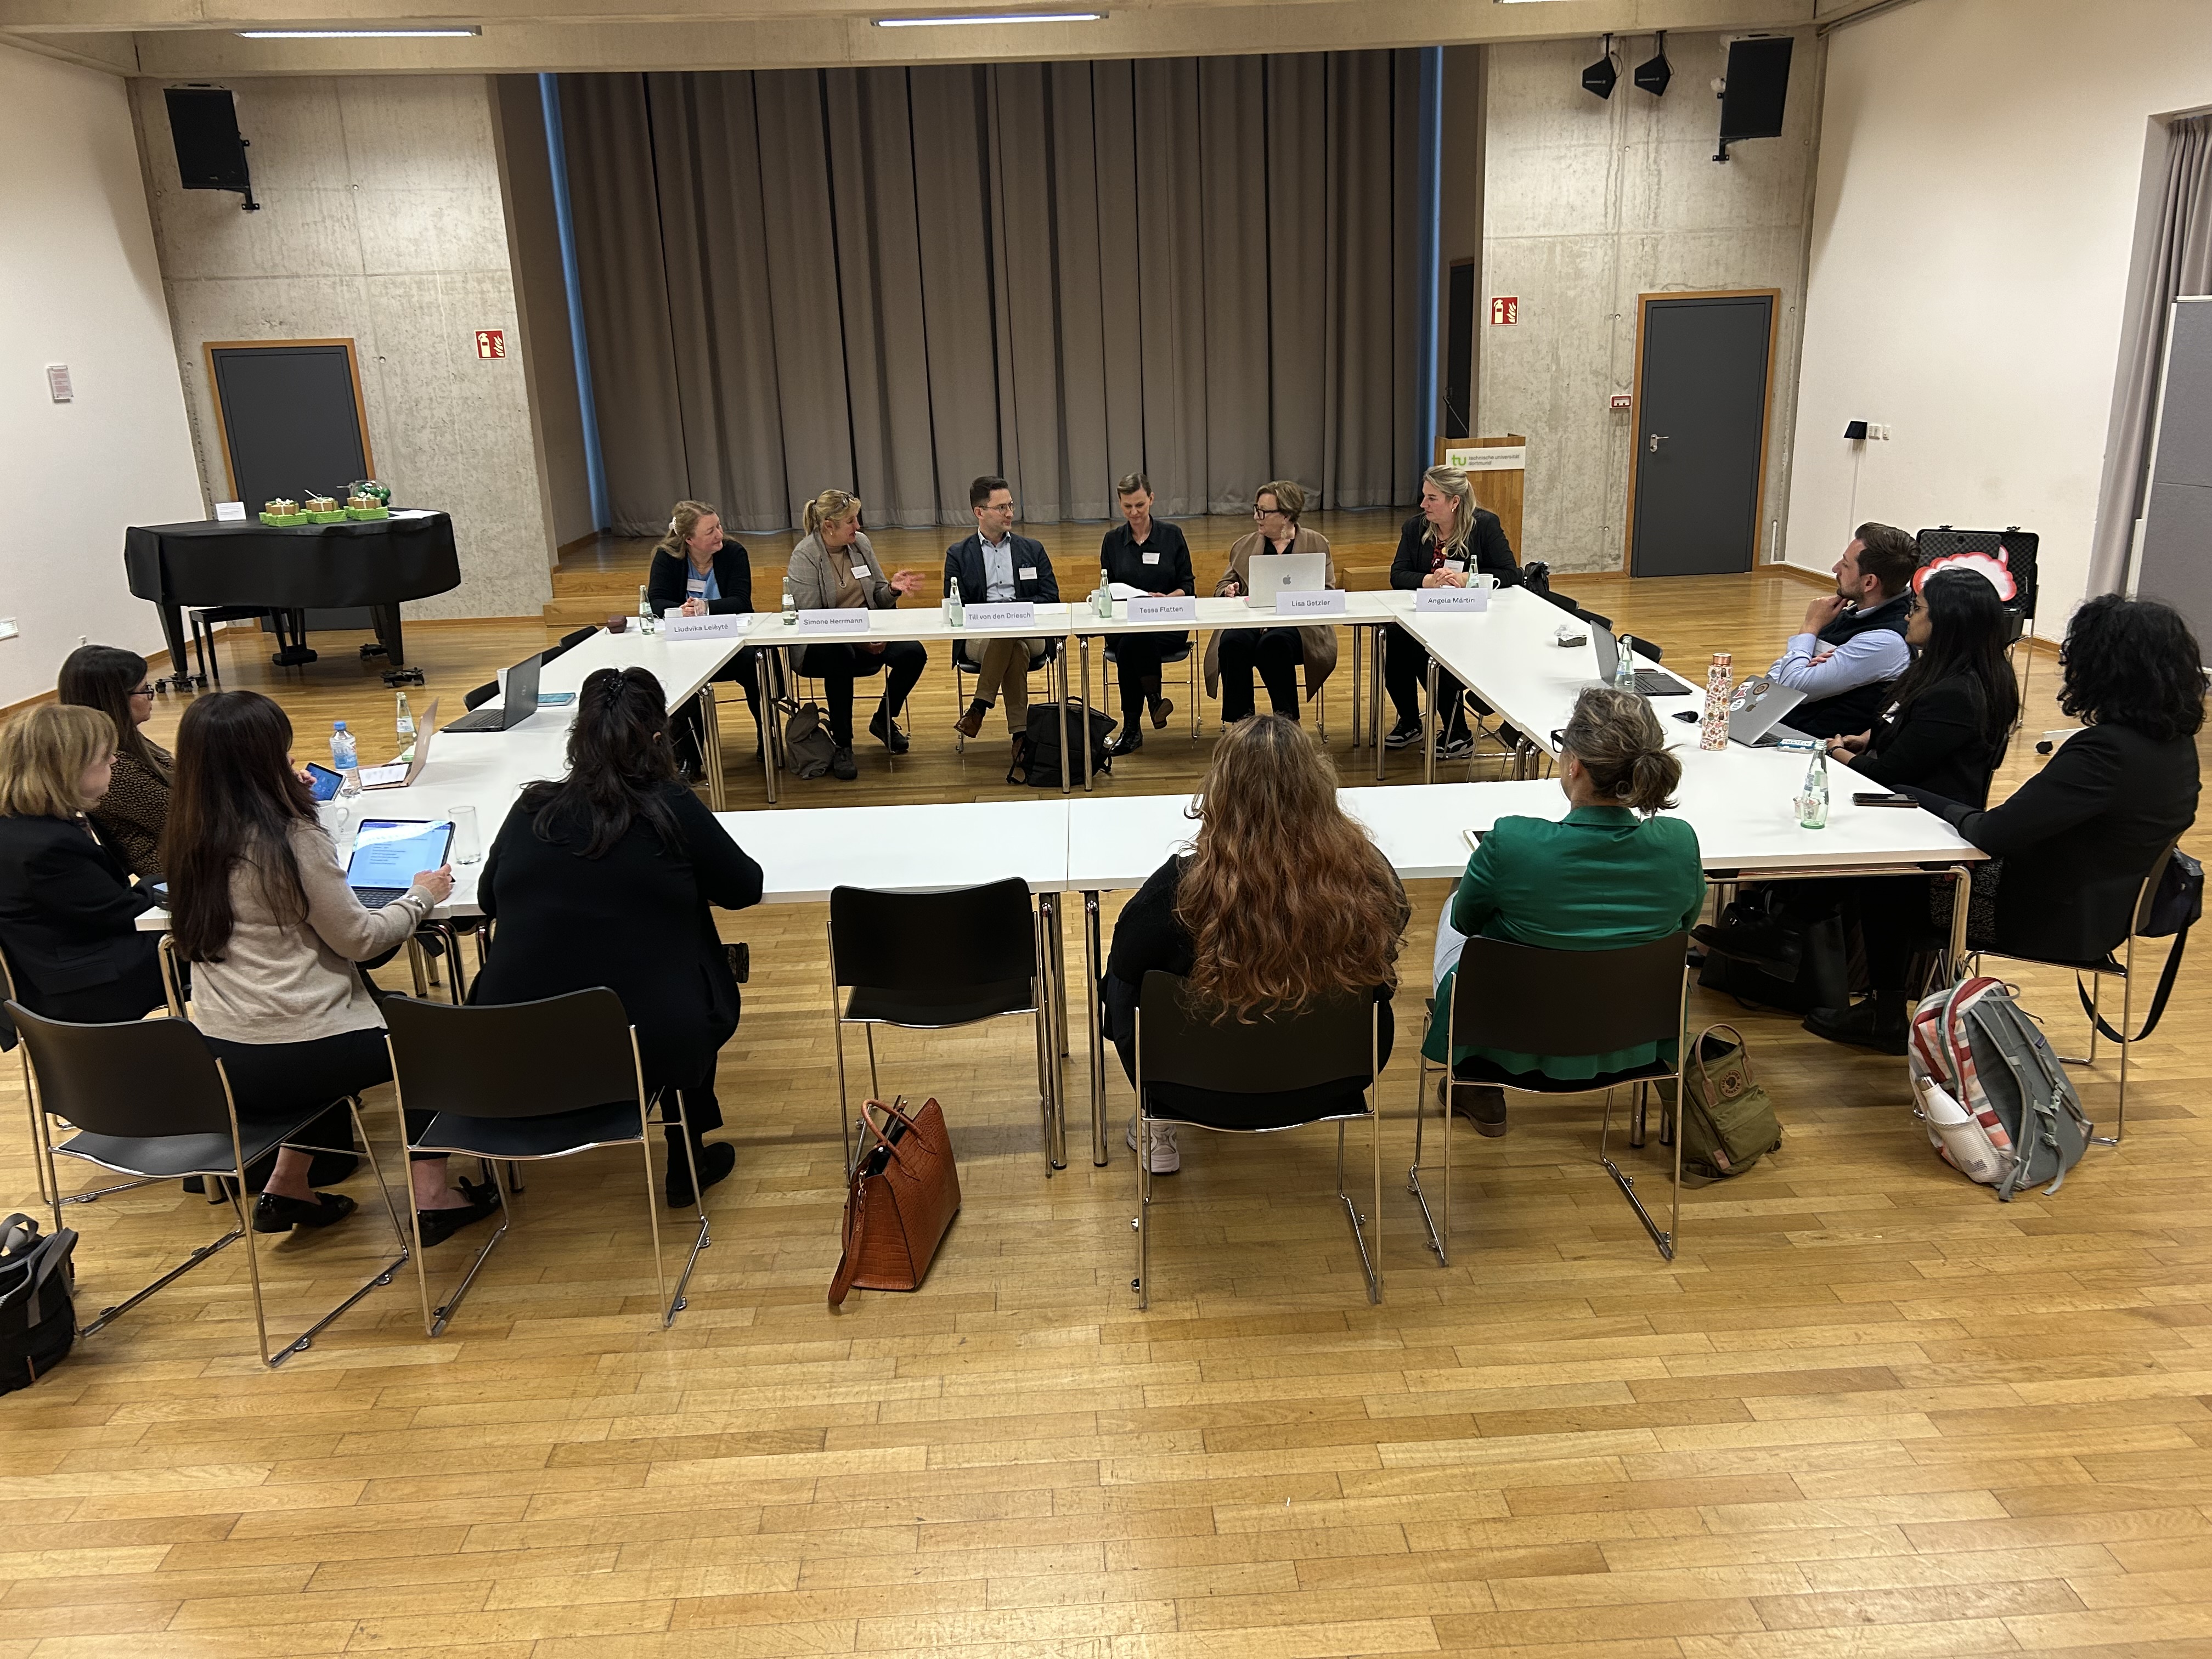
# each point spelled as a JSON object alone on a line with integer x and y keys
{"x": 68, "y": 911}
{"x": 1612, "y": 872}
{"x": 697, "y": 571}
{"x": 1444, "y": 544}
{"x": 1233, "y": 653}
{"x": 1221, "y": 915}
{"x": 833, "y": 568}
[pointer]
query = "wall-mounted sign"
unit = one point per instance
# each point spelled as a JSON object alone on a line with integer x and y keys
{"x": 1504, "y": 309}
{"x": 1622, "y": 400}
{"x": 1494, "y": 457}
{"x": 491, "y": 343}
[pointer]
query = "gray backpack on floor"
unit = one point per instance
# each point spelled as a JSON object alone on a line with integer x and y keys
{"x": 1996, "y": 1102}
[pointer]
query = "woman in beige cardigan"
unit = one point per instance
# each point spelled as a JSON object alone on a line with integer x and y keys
{"x": 835, "y": 568}
{"x": 1232, "y": 654}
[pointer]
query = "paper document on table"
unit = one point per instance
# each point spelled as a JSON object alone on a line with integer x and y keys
{"x": 1123, "y": 591}
{"x": 372, "y": 776}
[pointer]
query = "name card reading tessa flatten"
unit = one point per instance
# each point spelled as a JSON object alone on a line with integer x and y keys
{"x": 1007, "y": 613}
{"x": 1163, "y": 608}
{"x": 1327, "y": 603}
{"x": 729, "y": 627}
{"x": 851, "y": 620}
{"x": 1452, "y": 599}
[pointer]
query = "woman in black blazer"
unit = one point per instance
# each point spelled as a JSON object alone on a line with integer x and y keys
{"x": 606, "y": 877}
{"x": 67, "y": 908}
{"x": 1951, "y": 714}
{"x": 697, "y": 571}
{"x": 2077, "y": 838}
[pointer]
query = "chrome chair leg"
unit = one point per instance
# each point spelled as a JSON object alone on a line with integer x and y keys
{"x": 1438, "y": 1235}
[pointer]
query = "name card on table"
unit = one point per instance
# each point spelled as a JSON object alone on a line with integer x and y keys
{"x": 1452, "y": 599}
{"x": 851, "y": 620}
{"x": 1327, "y": 603}
{"x": 230, "y": 511}
{"x": 1159, "y": 608}
{"x": 730, "y": 627}
{"x": 1009, "y": 613}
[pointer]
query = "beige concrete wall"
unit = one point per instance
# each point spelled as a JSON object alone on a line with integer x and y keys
{"x": 382, "y": 222}
{"x": 1590, "y": 202}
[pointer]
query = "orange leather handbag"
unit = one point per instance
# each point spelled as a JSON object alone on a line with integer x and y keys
{"x": 905, "y": 1191}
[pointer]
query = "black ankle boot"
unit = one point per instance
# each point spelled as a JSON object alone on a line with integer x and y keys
{"x": 1877, "y": 1023}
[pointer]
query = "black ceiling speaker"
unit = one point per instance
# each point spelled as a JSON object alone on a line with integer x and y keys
{"x": 210, "y": 155}
{"x": 1600, "y": 76}
{"x": 1757, "y": 88}
{"x": 1654, "y": 72}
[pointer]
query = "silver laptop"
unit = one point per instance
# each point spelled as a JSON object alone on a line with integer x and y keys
{"x": 1273, "y": 574}
{"x": 1755, "y": 713}
{"x": 1651, "y": 682}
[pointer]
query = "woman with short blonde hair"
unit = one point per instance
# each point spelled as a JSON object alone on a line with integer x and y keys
{"x": 833, "y": 568}
{"x": 68, "y": 911}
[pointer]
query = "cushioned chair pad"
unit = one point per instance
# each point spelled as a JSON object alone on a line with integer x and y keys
{"x": 532, "y": 1137}
{"x": 961, "y": 1005}
{"x": 1477, "y": 1069}
{"x": 175, "y": 1155}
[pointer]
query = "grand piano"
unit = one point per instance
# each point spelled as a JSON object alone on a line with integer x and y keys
{"x": 251, "y": 566}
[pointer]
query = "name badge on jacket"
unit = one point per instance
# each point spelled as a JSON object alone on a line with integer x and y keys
{"x": 1027, "y": 573}
{"x": 1152, "y": 558}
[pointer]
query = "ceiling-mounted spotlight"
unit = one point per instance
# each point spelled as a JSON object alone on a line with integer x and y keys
{"x": 1654, "y": 73}
{"x": 1600, "y": 77}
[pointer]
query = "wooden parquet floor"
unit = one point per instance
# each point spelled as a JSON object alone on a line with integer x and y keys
{"x": 1868, "y": 1410}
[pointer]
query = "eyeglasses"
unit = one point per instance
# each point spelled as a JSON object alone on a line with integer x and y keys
{"x": 143, "y": 692}
{"x": 1559, "y": 739}
{"x": 1269, "y": 512}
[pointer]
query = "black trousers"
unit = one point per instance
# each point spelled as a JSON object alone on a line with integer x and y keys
{"x": 1894, "y": 924}
{"x": 744, "y": 669}
{"x": 1276, "y": 652}
{"x": 1137, "y": 659}
{"x": 1405, "y": 664}
{"x": 277, "y": 1082}
{"x": 838, "y": 665}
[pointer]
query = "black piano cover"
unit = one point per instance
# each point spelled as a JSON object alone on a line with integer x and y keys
{"x": 305, "y": 567}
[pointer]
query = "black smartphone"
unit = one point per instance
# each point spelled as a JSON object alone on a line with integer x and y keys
{"x": 324, "y": 782}
{"x": 1878, "y": 798}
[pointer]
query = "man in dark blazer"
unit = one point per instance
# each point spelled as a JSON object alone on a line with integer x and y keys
{"x": 994, "y": 564}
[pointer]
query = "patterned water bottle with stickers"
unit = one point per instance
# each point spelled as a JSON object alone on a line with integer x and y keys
{"x": 1713, "y": 729}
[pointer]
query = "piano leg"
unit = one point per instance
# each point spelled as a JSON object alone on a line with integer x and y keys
{"x": 390, "y": 646}
{"x": 292, "y": 641}
{"x": 180, "y": 677}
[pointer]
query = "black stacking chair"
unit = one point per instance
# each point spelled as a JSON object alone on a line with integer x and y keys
{"x": 516, "y": 1082}
{"x": 95, "y": 1077}
{"x": 933, "y": 961}
{"x": 1534, "y": 1001}
{"x": 1339, "y": 1041}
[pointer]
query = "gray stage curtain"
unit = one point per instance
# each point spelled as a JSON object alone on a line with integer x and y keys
{"x": 2174, "y": 258}
{"x": 891, "y": 280}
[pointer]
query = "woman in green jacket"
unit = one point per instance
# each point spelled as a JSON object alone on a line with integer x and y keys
{"x": 1610, "y": 873}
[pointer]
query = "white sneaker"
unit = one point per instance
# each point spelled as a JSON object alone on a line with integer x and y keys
{"x": 1160, "y": 1146}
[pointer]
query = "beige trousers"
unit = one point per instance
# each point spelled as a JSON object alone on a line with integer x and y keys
{"x": 1003, "y": 668}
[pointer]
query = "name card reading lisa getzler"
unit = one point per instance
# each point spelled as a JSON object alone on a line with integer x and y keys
{"x": 1326, "y": 602}
{"x": 1007, "y": 613}
{"x": 729, "y": 627}
{"x": 852, "y": 620}
{"x": 1452, "y": 599}
{"x": 1161, "y": 608}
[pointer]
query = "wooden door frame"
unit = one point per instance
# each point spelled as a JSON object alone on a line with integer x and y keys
{"x": 1636, "y": 408}
{"x": 208, "y": 348}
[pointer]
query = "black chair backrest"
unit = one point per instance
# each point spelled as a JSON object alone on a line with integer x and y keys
{"x": 511, "y": 1059}
{"x": 1530, "y": 1000}
{"x": 1328, "y": 1042}
{"x": 1637, "y": 643}
{"x": 7, "y": 996}
{"x": 140, "y": 1079}
{"x": 932, "y": 941}
{"x": 569, "y": 642}
{"x": 483, "y": 695}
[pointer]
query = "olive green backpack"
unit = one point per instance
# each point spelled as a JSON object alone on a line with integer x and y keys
{"x": 1729, "y": 1123}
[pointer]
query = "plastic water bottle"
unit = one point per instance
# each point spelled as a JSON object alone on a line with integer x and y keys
{"x": 402, "y": 722}
{"x": 956, "y": 608}
{"x": 1813, "y": 803}
{"x": 1624, "y": 670}
{"x": 345, "y": 753}
{"x": 790, "y": 606}
{"x": 647, "y": 622}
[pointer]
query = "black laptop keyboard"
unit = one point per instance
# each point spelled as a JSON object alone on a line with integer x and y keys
{"x": 1652, "y": 682}
{"x": 375, "y": 898}
{"x": 484, "y": 720}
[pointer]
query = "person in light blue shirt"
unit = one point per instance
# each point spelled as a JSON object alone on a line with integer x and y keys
{"x": 994, "y": 566}
{"x": 1851, "y": 648}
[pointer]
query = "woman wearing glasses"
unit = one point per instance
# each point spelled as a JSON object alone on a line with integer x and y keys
{"x": 131, "y": 814}
{"x": 1232, "y": 654}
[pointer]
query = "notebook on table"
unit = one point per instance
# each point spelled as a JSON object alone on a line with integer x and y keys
{"x": 1755, "y": 713}
{"x": 1271, "y": 574}
{"x": 399, "y": 775}
{"x": 388, "y": 854}
{"x": 517, "y": 701}
{"x": 1651, "y": 682}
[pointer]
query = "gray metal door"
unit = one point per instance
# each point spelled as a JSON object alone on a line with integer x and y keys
{"x": 1701, "y": 434}
{"x": 2176, "y": 526}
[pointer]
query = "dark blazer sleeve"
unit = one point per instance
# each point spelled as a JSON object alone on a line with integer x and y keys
{"x": 664, "y": 581}
{"x": 1492, "y": 552}
{"x": 1410, "y": 564}
{"x": 952, "y": 574}
{"x": 2077, "y": 785}
{"x": 726, "y": 875}
{"x": 734, "y": 577}
{"x": 518, "y": 822}
{"x": 1945, "y": 719}
{"x": 1186, "y": 578}
{"x": 1146, "y": 934}
{"x": 80, "y": 887}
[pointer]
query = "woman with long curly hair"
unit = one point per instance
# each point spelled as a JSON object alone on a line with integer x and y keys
{"x": 1221, "y": 915}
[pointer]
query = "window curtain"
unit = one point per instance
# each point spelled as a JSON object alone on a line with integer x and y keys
{"x": 2174, "y": 258}
{"x": 892, "y": 280}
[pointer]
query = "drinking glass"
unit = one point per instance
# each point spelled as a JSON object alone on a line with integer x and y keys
{"x": 468, "y": 843}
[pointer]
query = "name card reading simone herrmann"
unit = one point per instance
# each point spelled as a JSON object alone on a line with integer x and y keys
{"x": 1163, "y": 608}
{"x": 852, "y": 620}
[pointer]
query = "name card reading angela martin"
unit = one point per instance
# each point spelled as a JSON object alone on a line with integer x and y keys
{"x": 706, "y": 628}
{"x": 1326, "y": 603}
{"x": 1011, "y": 613}
{"x": 1452, "y": 599}
{"x": 852, "y": 620}
{"x": 1157, "y": 608}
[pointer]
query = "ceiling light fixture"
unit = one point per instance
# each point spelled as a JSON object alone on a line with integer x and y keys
{"x": 987, "y": 17}
{"x": 360, "y": 35}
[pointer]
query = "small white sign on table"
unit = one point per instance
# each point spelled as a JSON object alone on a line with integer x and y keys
{"x": 230, "y": 511}
{"x": 850, "y": 620}
{"x": 1452, "y": 599}
{"x": 1327, "y": 603}
{"x": 730, "y": 627}
{"x": 1009, "y": 613}
{"x": 1162, "y": 608}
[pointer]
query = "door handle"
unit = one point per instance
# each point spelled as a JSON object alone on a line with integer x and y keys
{"x": 1658, "y": 438}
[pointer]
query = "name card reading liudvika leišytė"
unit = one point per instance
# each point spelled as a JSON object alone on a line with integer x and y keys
{"x": 732, "y": 626}
{"x": 851, "y": 620}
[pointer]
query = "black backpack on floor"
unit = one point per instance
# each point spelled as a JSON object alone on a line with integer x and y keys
{"x": 1037, "y": 761}
{"x": 37, "y": 1306}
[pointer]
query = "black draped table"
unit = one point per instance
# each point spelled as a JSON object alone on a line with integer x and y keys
{"x": 375, "y": 562}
